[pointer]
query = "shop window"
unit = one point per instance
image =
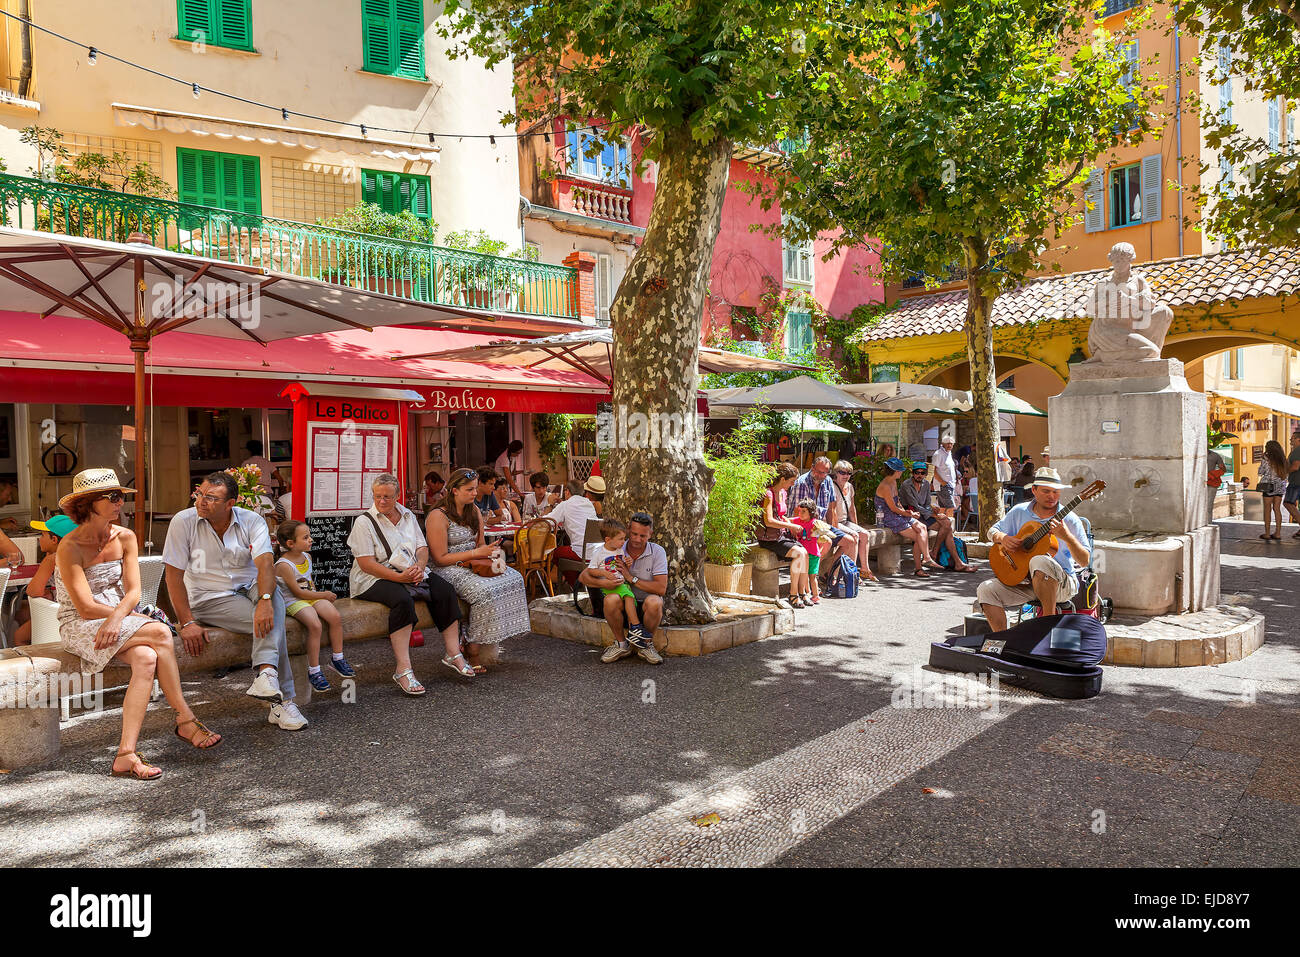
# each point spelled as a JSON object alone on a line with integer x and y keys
{"x": 13, "y": 478}
{"x": 392, "y": 37}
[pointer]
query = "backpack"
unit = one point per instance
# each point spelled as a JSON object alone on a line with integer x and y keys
{"x": 945, "y": 557}
{"x": 844, "y": 579}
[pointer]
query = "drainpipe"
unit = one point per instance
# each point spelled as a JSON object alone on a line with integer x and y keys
{"x": 525, "y": 208}
{"x": 1178, "y": 125}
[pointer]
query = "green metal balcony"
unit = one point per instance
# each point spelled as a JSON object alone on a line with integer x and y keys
{"x": 409, "y": 270}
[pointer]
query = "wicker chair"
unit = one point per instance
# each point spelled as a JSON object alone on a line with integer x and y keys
{"x": 534, "y": 551}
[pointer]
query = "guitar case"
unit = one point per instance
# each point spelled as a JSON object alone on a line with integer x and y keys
{"x": 1056, "y": 655}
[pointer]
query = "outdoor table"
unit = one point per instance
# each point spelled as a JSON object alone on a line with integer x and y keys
{"x": 498, "y": 531}
{"x": 19, "y": 579}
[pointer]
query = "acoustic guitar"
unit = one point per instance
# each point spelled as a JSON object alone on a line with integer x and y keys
{"x": 1012, "y": 568}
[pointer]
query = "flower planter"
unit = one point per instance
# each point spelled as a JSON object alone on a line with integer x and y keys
{"x": 732, "y": 579}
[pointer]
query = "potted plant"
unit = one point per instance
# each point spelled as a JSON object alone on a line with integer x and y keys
{"x": 484, "y": 283}
{"x": 739, "y": 478}
{"x": 395, "y": 268}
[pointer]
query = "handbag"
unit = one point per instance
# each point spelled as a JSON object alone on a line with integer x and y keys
{"x": 418, "y": 590}
{"x": 485, "y": 567}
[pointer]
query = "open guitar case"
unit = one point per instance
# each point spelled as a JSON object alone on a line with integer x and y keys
{"x": 1056, "y": 655}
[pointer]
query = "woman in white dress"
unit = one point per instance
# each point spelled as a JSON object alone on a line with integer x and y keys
{"x": 498, "y": 605}
{"x": 97, "y": 582}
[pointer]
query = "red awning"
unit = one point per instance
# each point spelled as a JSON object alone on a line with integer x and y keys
{"x": 76, "y": 361}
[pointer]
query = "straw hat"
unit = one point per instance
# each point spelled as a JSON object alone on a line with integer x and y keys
{"x": 1048, "y": 478}
{"x": 594, "y": 484}
{"x": 94, "y": 480}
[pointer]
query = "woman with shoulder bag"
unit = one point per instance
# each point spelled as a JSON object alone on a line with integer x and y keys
{"x": 388, "y": 567}
{"x": 497, "y": 598}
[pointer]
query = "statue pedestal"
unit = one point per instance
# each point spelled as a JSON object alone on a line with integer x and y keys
{"x": 1140, "y": 428}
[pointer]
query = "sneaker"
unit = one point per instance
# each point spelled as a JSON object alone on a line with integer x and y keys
{"x": 342, "y": 668}
{"x": 266, "y": 686}
{"x": 648, "y": 654}
{"x": 638, "y": 637}
{"x": 287, "y": 716}
{"x": 319, "y": 682}
{"x": 619, "y": 649}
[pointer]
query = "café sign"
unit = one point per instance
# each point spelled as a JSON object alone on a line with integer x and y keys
{"x": 462, "y": 400}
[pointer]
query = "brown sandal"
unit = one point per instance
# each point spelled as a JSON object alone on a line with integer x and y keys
{"x": 199, "y": 726}
{"x": 134, "y": 770}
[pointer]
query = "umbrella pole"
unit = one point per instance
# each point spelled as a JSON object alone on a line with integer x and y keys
{"x": 139, "y": 346}
{"x": 801, "y": 415}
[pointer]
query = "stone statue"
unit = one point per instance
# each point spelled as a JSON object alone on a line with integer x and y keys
{"x": 1127, "y": 324}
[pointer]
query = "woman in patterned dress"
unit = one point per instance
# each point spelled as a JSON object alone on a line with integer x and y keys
{"x": 890, "y": 514}
{"x": 97, "y": 583}
{"x": 498, "y": 606}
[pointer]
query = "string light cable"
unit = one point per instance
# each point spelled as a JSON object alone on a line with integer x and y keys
{"x": 94, "y": 53}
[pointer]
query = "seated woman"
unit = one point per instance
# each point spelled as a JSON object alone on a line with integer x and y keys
{"x": 498, "y": 605}
{"x": 97, "y": 580}
{"x": 847, "y": 513}
{"x": 890, "y": 514}
{"x": 777, "y": 533}
{"x": 389, "y": 558}
{"x": 42, "y": 584}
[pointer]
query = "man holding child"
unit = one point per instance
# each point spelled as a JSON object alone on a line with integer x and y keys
{"x": 642, "y": 566}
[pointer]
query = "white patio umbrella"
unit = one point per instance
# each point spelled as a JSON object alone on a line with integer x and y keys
{"x": 142, "y": 292}
{"x": 590, "y": 351}
{"x": 797, "y": 394}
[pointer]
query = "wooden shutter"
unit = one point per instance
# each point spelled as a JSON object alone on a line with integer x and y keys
{"x": 197, "y": 177}
{"x": 194, "y": 20}
{"x": 419, "y": 193}
{"x": 234, "y": 23}
{"x": 1094, "y": 217}
{"x": 369, "y": 186}
{"x": 1152, "y": 188}
{"x": 604, "y": 286}
{"x": 378, "y": 54}
{"x": 408, "y": 36}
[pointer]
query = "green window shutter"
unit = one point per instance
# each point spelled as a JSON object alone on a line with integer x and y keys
{"x": 234, "y": 23}
{"x": 394, "y": 192}
{"x": 194, "y": 20}
{"x": 408, "y": 33}
{"x": 420, "y": 196}
{"x": 221, "y": 180}
{"x": 377, "y": 41}
{"x": 369, "y": 187}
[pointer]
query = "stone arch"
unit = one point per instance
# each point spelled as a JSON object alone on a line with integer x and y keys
{"x": 956, "y": 375}
{"x": 1195, "y": 347}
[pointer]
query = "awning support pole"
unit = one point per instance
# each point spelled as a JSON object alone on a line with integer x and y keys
{"x": 140, "y": 346}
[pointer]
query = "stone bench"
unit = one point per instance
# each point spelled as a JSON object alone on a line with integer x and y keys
{"x": 886, "y": 551}
{"x": 30, "y": 735}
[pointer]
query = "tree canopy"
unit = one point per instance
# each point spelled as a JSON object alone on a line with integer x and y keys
{"x": 1261, "y": 43}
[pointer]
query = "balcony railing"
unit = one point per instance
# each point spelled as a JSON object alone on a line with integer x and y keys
{"x": 409, "y": 270}
{"x": 598, "y": 200}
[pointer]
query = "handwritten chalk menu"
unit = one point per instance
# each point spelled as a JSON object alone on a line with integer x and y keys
{"x": 345, "y": 461}
{"x": 331, "y": 559}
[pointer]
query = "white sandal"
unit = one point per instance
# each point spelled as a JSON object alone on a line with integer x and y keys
{"x": 412, "y": 684}
{"x": 463, "y": 669}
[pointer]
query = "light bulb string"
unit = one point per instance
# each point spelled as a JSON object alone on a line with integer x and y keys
{"x": 197, "y": 88}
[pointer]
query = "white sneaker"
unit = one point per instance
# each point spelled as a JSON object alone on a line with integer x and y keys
{"x": 287, "y": 716}
{"x": 266, "y": 686}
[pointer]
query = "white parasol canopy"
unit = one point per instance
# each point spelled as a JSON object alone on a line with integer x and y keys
{"x": 801, "y": 392}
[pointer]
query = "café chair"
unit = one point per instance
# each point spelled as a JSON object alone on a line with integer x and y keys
{"x": 534, "y": 551}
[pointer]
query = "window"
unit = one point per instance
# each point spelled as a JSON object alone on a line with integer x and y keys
{"x": 1126, "y": 196}
{"x": 392, "y": 37}
{"x": 609, "y": 165}
{"x": 1227, "y": 365}
{"x": 797, "y": 256}
{"x": 14, "y": 475}
{"x": 1008, "y": 383}
{"x": 604, "y": 287}
{"x": 1290, "y": 125}
{"x": 1241, "y": 363}
{"x": 222, "y": 23}
{"x": 1130, "y": 57}
{"x": 1275, "y": 122}
{"x": 222, "y": 180}
{"x": 798, "y": 332}
{"x": 1118, "y": 6}
{"x": 1227, "y": 179}
{"x": 394, "y": 192}
{"x": 1225, "y": 83}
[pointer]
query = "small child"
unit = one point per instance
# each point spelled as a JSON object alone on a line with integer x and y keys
{"x": 42, "y": 584}
{"x": 312, "y": 608}
{"x": 805, "y": 516}
{"x": 603, "y": 557}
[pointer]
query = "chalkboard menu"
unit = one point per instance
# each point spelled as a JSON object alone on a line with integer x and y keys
{"x": 331, "y": 559}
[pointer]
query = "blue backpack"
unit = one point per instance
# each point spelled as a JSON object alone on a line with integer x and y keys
{"x": 945, "y": 557}
{"x": 844, "y": 579}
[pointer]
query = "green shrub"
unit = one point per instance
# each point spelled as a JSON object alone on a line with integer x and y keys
{"x": 552, "y": 432}
{"x": 735, "y": 501}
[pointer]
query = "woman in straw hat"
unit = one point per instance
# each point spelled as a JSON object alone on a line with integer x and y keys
{"x": 97, "y": 581}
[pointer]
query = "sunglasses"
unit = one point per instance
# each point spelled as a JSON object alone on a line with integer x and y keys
{"x": 117, "y": 498}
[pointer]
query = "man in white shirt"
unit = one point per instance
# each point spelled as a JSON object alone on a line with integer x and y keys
{"x": 510, "y": 464}
{"x": 574, "y": 513}
{"x": 945, "y": 474}
{"x": 221, "y": 571}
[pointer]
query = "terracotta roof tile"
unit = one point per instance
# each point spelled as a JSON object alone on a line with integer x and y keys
{"x": 1185, "y": 281}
